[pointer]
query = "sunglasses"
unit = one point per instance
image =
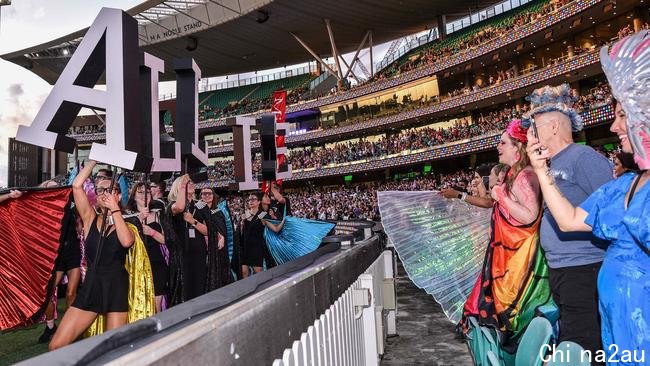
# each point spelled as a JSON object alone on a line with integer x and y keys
{"x": 206, "y": 193}
{"x": 102, "y": 190}
{"x": 252, "y": 199}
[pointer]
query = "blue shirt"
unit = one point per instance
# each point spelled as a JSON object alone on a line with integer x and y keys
{"x": 578, "y": 171}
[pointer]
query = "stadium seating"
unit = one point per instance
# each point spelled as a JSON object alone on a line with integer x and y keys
{"x": 455, "y": 41}
{"x": 250, "y": 97}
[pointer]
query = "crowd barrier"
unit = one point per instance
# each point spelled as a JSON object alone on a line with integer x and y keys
{"x": 253, "y": 321}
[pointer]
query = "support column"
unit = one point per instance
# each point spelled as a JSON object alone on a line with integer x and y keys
{"x": 570, "y": 51}
{"x": 335, "y": 52}
{"x": 372, "y": 60}
{"x": 356, "y": 54}
{"x": 442, "y": 26}
{"x": 315, "y": 56}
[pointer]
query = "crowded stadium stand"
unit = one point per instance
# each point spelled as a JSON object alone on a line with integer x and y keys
{"x": 424, "y": 120}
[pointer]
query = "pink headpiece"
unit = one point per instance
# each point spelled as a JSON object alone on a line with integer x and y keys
{"x": 516, "y": 131}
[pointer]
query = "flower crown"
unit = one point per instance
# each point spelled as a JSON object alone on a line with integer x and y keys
{"x": 517, "y": 131}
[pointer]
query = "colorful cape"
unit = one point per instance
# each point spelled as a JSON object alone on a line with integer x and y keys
{"x": 513, "y": 281}
{"x": 441, "y": 243}
{"x": 30, "y": 234}
{"x": 141, "y": 292}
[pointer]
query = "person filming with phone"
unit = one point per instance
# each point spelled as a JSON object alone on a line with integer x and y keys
{"x": 574, "y": 259}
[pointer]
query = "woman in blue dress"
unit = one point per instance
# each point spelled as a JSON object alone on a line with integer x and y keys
{"x": 619, "y": 211}
{"x": 292, "y": 237}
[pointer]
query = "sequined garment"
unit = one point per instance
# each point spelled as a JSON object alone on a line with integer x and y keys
{"x": 624, "y": 278}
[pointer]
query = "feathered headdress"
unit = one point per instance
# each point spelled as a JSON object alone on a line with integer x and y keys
{"x": 553, "y": 99}
{"x": 627, "y": 67}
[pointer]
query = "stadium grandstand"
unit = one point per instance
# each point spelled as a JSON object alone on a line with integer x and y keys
{"x": 426, "y": 115}
{"x": 475, "y": 71}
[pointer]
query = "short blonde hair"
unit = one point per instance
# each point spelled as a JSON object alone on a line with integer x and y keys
{"x": 176, "y": 186}
{"x": 173, "y": 191}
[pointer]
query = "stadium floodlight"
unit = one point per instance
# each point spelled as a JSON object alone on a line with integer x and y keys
{"x": 5, "y": 2}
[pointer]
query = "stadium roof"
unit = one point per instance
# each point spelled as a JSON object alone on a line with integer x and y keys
{"x": 235, "y": 36}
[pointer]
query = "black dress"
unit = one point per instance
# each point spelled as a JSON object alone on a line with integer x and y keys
{"x": 218, "y": 273}
{"x": 106, "y": 287}
{"x": 69, "y": 256}
{"x": 159, "y": 267}
{"x": 193, "y": 246}
{"x": 253, "y": 242}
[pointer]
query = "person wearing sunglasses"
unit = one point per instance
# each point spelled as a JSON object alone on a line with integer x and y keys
{"x": 106, "y": 287}
{"x": 158, "y": 202}
{"x": 252, "y": 236}
{"x": 103, "y": 174}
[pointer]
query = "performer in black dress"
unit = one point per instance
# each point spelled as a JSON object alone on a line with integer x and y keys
{"x": 105, "y": 289}
{"x": 188, "y": 251}
{"x": 253, "y": 242}
{"x": 218, "y": 272}
{"x": 68, "y": 262}
{"x": 154, "y": 240}
{"x": 252, "y": 236}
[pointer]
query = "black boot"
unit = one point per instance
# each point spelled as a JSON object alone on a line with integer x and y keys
{"x": 47, "y": 334}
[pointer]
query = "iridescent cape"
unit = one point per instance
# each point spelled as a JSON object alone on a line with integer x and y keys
{"x": 141, "y": 292}
{"x": 441, "y": 243}
{"x": 471, "y": 260}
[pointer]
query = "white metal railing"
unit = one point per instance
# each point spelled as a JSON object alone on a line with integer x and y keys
{"x": 353, "y": 330}
{"x": 310, "y": 68}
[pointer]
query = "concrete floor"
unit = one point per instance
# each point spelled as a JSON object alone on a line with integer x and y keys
{"x": 426, "y": 336}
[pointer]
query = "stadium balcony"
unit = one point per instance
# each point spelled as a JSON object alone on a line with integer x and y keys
{"x": 574, "y": 68}
{"x": 508, "y": 89}
{"x": 508, "y": 39}
{"x": 247, "y": 98}
{"x": 593, "y": 117}
{"x": 467, "y": 38}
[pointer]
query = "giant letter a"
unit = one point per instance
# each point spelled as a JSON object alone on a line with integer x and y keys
{"x": 113, "y": 34}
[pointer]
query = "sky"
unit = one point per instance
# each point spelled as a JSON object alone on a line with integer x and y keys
{"x": 26, "y": 23}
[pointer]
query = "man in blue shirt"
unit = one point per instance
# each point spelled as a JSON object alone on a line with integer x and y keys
{"x": 574, "y": 259}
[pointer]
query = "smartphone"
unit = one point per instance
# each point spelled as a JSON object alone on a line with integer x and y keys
{"x": 533, "y": 126}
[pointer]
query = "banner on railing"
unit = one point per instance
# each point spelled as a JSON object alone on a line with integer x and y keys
{"x": 279, "y": 107}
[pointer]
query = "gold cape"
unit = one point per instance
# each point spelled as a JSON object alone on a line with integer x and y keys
{"x": 141, "y": 292}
